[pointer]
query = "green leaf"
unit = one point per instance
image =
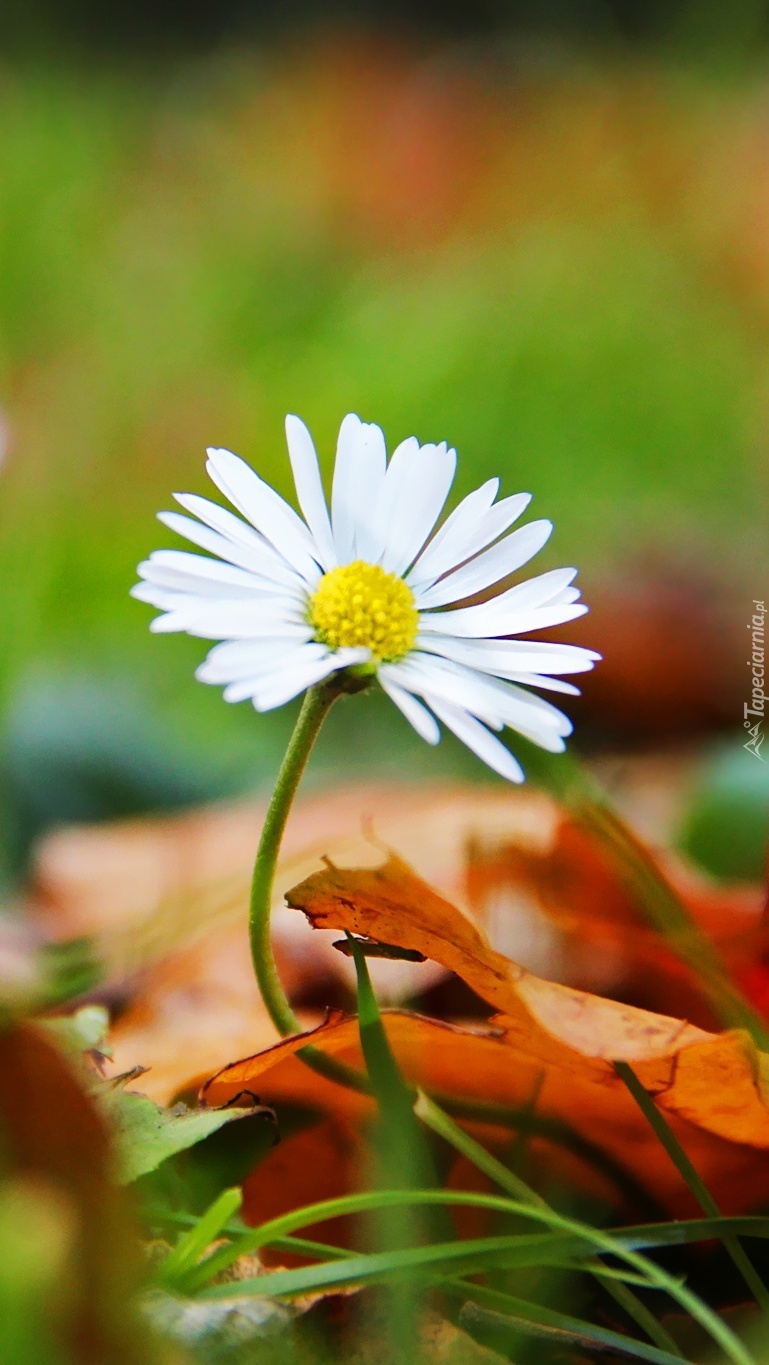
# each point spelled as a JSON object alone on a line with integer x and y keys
{"x": 147, "y": 1134}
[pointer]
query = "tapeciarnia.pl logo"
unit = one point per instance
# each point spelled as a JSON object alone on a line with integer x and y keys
{"x": 753, "y": 711}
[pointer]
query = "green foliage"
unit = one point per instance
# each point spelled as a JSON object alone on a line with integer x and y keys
{"x": 147, "y": 1134}
{"x": 725, "y": 828}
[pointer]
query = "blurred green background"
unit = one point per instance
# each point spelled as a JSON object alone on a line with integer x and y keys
{"x": 542, "y": 235}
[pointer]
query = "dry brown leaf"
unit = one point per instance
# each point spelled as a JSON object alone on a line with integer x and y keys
{"x": 145, "y": 886}
{"x": 599, "y": 936}
{"x": 393, "y": 904}
{"x": 176, "y": 893}
{"x": 710, "y": 1086}
{"x": 55, "y": 1142}
{"x": 581, "y": 1109}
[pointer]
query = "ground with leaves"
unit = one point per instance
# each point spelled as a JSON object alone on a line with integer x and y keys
{"x": 513, "y": 1167}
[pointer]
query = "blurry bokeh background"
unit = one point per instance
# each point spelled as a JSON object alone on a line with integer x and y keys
{"x": 540, "y": 232}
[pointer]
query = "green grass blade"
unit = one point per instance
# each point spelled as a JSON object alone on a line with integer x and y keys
{"x": 193, "y": 1243}
{"x": 444, "y": 1125}
{"x": 440, "y": 1122}
{"x": 520, "y": 1316}
{"x": 361, "y": 1269}
{"x": 531, "y": 1249}
{"x": 691, "y": 1176}
{"x": 405, "y": 1156}
{"x": 430, "y": 1265}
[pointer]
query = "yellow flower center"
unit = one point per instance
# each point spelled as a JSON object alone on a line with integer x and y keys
{"x": 363, "y": 604}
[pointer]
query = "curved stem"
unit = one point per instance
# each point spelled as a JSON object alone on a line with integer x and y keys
{"x": 317, "y": 702}
{"x": 315, "y": 706}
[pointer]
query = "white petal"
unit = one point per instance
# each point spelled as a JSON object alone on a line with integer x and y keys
{"x": 234, "y": 660}
{"x": 162, "y": 598}
{"x": 165, "y": 599}
{"x": 398, "y": 488}
{"x": 372, "y": 459}
{"x": 265, "y": 558}
{"x": 565, "y": 598}
{"x": 471, "y": 527}
{"x": 417, "y": 485}
{"x": 416, "y": 714}
{"x": 505, "y": 657}
{"x": 233, "y": 620}
{"x": 272, "y": 671}
{"x": 265, "y": 509}
{"x": 343, "y": 491}
{"x": 487, "y": 568}
{"x": 495, "y": 618}
{"x": 295, "y": 679}
{"x": 490, "y": 699}
{"x": 258, "y": 559}
{"x": 545, "y": 590}
{"x": 359, "y": 473}
{"x": 440, "y": 555}
{"x": 184, "y": 572}
{"x": 309, "y": 489}
{"x": 548, "y": 684}
{"x": 479, "y": 739}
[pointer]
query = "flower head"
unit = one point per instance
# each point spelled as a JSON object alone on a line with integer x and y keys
{"x": 373, "y": 586}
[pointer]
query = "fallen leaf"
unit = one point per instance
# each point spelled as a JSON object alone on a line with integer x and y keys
{"x": 54, "y": 1135}
{"x": 597, "y": 934}
{"x": 143, "y": 887}
{"x": 582, "y": 1108}
{"x": 181, "y": 895}
{"x": 711, "y": 1086}
{"x": 392, "y": 903}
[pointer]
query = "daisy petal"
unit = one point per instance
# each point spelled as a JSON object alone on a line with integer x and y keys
{"x": 270, "y": 668}
{"x": 416, "y": 714}
{"x": 440, "y": 554}
{"x": 265, "y": 509}
{"x": 184, "y": 572}
{"x": 502, "y": 656}
{"x": 260, "y": 560}
{"x": 237, "y": 532}
{"x": 485, "y": 745}
{"x": 309, "y": 489}
{"x": 359, "y": 472}
{"x": 548, "y": 684}
{"x": 469, "y": 529}
{"x": 233, "y": 620}
{"x": 150, "y": 592}
{"x": 235, "y": 660}
{"x": 417, "y": 485}
{"x": 292, "y": 681}
{"x": 487, "y": 568}
{"x": 494, "y": 618}
{"x": 491, "y": 699}
{"x": 372, "y": 458}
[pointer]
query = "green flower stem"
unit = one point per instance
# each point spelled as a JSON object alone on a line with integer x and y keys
{"x": 317, "y": 703}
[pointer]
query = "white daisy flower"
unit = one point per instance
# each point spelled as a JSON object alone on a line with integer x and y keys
{"x": 373, "y": 586}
